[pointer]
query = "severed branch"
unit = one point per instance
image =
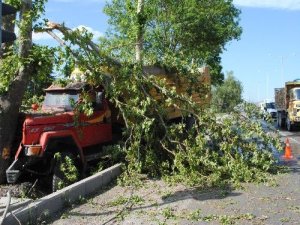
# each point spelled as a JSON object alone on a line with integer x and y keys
{"x": 51, "y": 26}
{"x": 66, "y": 32}
{"x": 61, "y": 42}
{"x": 93, "y": 48}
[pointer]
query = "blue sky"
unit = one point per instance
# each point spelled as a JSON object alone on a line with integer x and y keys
{"x": 264, "y": 58}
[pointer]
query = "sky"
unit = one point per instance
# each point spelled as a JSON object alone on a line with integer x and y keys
{"x": 266, "y": 56}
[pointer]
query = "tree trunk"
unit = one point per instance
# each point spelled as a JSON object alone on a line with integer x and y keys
{"x": 139, "y": 38}
{"x": 11, "y": 101}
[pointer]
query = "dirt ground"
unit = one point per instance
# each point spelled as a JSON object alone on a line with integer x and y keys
{"x": 275, "y": 202}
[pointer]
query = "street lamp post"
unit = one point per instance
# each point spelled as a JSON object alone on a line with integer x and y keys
{"x": 282, "y": 58}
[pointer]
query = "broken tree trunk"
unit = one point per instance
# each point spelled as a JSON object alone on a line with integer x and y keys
{"x": 10, "y": 102}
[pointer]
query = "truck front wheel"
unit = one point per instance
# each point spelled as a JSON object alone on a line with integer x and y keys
{"x": 281, "y": 121}
{"x": 289, "y": 125}
{"x": 65, "y": 171}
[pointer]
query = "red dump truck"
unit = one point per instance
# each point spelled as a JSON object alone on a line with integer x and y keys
{"x": 60, "y": 127}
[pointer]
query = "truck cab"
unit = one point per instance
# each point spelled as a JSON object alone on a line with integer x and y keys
{"x": 270, "y": 109}
{"x": 61, "y": 126}
{"x": 293, "y": 107}
{"x": 288, "y": 105}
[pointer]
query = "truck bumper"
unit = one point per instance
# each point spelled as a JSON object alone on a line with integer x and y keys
{"x": 12, "y": 173}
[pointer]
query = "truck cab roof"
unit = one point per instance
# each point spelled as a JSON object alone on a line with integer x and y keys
{"x": 74, "y": 86}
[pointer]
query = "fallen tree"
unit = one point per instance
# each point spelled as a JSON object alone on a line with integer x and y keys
{"x": 211, "y": 151}
{"x": 198, "y": 148}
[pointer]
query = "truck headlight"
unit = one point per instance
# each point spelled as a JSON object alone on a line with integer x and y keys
{"x": 33, "y": 150}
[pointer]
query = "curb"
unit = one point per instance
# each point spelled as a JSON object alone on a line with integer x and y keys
{"x": 50, "y": 204}
{"x": 15, "y": 203}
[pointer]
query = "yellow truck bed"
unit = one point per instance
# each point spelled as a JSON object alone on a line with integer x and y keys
{"x": 202, "y": 98}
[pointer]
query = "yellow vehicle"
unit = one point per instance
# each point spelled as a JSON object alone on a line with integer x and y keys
{"x": 287, "y": 102}
{"x": 202, "y": 99}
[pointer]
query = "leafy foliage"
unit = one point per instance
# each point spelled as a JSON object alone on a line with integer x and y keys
{"x": 42, "y": 57}
{"x": 67, "y": 170}
{"x": 227, "y": 95}
{"x": 232, "y": 148}
{"x": 199, "y": 148}
{"x": 177, "y": 34}
{"x": 8, "y": 70}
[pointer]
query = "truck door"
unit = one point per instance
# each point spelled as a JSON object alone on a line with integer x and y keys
{"x": 96, "y": 129}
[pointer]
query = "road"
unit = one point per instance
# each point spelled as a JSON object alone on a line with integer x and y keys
{"x": 274, "y": 202}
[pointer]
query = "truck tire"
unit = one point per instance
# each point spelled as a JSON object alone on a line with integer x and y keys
{"x": 289, "y": 126}
{"x": 277, "y": 122}
{"x": 61, "y": 174}
{"x": 189, "y": 122}
{"x": 4, "y": 164}
{"x": 281, "y": 122}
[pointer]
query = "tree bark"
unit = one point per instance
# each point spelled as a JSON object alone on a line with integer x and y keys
{"x": 139, "y": 37}
{"x": 10, "y": 102}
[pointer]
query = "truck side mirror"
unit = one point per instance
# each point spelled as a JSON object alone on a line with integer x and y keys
{"x": 99, "y": 98}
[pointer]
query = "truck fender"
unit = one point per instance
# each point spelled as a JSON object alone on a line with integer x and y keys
{"x": 47, "y": 137}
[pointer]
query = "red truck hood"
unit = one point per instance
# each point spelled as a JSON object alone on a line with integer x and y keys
{"x": 46, "y": 118}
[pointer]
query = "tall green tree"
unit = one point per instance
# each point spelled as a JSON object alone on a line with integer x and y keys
{"x": 227, "y": 95}
{"x": 177, "y": 34}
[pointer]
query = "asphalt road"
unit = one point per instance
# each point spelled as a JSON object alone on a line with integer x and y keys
{"x": 272, "y": 203}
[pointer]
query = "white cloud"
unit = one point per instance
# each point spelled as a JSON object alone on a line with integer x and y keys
{"x": 96, "y": 33}
{"x": 40, "y": 36}
{"x": 279, "y": 4}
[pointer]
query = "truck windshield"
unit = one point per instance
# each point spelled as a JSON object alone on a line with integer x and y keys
{"x": 60, "y": 100}
{"x": 297, "y": 94}
{"x": 270, "y": 105}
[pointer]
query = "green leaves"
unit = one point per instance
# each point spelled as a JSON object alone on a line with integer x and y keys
{"x": 196, "y": 147}
{"x": 227, "y": 95}
{"x": 177, "y": 33}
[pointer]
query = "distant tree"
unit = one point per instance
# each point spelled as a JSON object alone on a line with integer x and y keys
{"x": 227, "y": 95}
